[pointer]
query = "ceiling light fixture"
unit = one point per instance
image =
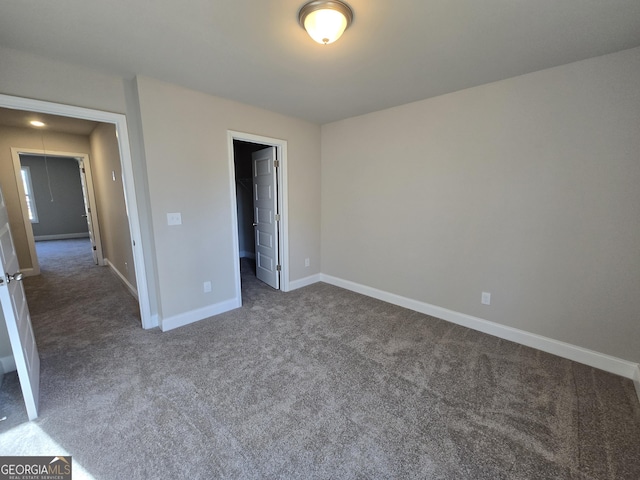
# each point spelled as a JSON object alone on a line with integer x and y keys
{"x": 325, "y": 20}
{"x": 36, "y": 123}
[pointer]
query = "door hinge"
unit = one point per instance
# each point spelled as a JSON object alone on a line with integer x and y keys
{"x": 277, "y": 217}
{"x": 83, "y": 170}
{"x": 276, "y": 163}
{"x": 95, "y": 248}
{"x": 278, "y": 268}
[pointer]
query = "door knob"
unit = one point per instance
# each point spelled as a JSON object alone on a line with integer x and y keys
{"x": 16, "y": 276}
{"x": 255, "y": 224}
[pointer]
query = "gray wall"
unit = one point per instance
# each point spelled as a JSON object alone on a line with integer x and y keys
{"x": 112, "y": 212}
{"x": 33, "y": 76}
{"x": 187, "y": 152}
{"x": 526, "y": 188}
{"x": 61, "y": 209}
{"x": 28, "y": 138}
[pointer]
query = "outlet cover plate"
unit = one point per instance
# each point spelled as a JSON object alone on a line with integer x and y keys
{"x": 174, "y": 219}
{"x": 486, "y": 298}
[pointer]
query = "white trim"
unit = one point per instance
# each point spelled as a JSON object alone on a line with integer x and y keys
{"x": 119, "y": 274}
{"x": 283, "y": 201}
{"x": 247, "y": 254}
{"x": 283, "y": 204}
{"x": 304, "y": 282}
{"x": 120, "y": 122}
{"x": 131, "y": 206}
{"x": 8, "y": 364}
{"x": 636, "y": 380}
{"x": 28, "y": 226}
{"x": 91, "y": 206}
{"x": 29, "y": 272}
{"x": 592, "y": 358}
{"x": 192, "y": 316}
{"x": 61, "y": 236}
{"x": 234, "y": 220}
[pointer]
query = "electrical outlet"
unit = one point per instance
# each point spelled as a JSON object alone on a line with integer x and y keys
{"x": 307, "y": 262}
{"x": 486, "y": 298}
{"x": 174, "y": 219}
{"x": 206, "y": 286}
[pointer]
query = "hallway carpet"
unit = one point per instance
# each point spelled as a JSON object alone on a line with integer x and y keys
{"x": 316, "y": 383}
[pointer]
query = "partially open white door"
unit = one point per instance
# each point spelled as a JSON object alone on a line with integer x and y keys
{"x": 265, "y": 211}
{"x": 91, "y": 213}
{"x": 16, "y": 316}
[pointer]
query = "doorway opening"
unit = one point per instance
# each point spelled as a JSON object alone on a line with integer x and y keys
{"x": 58, "y": 200}
{"x": 251, "y": 259}
{"x": 259, "y": 208}
{"x": 125, "y": 166}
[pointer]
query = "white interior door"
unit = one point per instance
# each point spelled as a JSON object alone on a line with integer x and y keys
{"x": 90, "y": 214}
{"x": 265, "y": 216}
{"x": 16, "y": 316}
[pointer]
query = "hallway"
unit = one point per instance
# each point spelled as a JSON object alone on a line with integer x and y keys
{"x": 75, "y": 306}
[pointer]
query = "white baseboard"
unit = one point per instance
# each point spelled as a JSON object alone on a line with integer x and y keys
{"x": 636, "y": 381}
{"x": 154, "y": 321}
{"x": 62, "y": 236}
{"x": 8, "y": 364}
{"x": 246, "y": 254}
{"x": 29, "y": 272}
{"x": 303, "y": 282}
{"x": 186, "y": 318}
{"x": 124, "y": 280}
{"x": 592, "y": 358}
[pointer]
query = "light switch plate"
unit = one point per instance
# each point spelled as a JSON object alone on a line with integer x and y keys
{"x": 174, "y": 219}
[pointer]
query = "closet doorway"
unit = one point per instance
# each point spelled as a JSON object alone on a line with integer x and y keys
{"x": 260, "y": 200}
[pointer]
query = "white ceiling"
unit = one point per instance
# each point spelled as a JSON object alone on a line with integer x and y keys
{"x": 53, "y": 123}
{"x": 255, "y": 52}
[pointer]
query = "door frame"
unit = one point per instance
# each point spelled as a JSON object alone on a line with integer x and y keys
{"x": 83, "y": 161}
{"x": 281, "y": 179}
{"x": 131, "y": 204}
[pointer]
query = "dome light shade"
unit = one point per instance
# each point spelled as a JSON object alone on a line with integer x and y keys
{"x": 325, "y": 21}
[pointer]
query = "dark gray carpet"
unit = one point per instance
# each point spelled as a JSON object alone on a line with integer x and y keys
{"x": 316, "y": 383}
